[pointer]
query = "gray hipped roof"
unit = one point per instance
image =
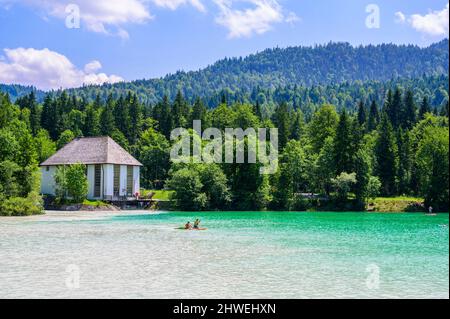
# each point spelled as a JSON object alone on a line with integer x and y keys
{"x": 92, "y": 150}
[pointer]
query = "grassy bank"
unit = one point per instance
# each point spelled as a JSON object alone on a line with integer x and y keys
{"x": 160, "y": 195}
{"x": 397, "y": 204}
{"x": 381, "y": 204}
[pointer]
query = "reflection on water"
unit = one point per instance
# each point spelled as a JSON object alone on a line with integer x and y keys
{"x": 241, "y": 255}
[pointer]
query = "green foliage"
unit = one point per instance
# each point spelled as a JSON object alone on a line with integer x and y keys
{"x": 342, "y": 145}
{"x": 342, "y": 184}
{"x": 215, "y": 186}
{"x": 324, "y": 169}
{"x": 19, "y": 174}
{"x": 199, "y": 186}
{"x": 107, "y": 121}
{"x": 9, "y": 185}
{"x": 313, "y": 68}
{"x": 92, "y": 122}
{"x": 374, "y": 117}
{"x": 362, "y": 175}
{"x": 22, "y": 206}
{"x": 323, "y": 125}
{"x": 433, "y": 171}
{"x": 396, "y": 147}
{"x": 373, "y": 188}
{"x": 188, "y": 193}
{"x": 386, "y": 150}
{"x": 292, "y": 177}
{"x": 45, "y": 147}
{"x": 153, "y": 152}
{"x": 65, "y": 138}
{"x": 71, "y": 183}
{"x": 77, "y": 183}
{"x": 282, "y": 121}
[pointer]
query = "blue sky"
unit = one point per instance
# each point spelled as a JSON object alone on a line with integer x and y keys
{"x": 134, "y": 39}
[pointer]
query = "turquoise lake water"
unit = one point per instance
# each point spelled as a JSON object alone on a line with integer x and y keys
{"x": 241, "y": 255}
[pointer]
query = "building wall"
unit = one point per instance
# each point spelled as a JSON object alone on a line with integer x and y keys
{"x": 106, "y": 184}
{"x": 136, "y": 180}
{"x": 108, "y": 188}
{"x": 91, "y": 177}
{"x": 48, "y": 180}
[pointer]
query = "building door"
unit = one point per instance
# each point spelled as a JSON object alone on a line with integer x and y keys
{"x": 97, "y": 181}
{"x": 116, "y": 181}
{"x": 129, "y": 181}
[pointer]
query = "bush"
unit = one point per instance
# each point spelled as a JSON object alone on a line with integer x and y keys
{"x": 71, "y": 181}
{"x": 188, "y": 193}
{"x": 20, "y": 206}
{"x": 299, "y": 204}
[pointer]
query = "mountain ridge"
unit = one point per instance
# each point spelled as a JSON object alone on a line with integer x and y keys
{"x": 331, "y": 63}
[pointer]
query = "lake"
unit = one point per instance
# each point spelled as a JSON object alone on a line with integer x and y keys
{"x": 241, "y": 255}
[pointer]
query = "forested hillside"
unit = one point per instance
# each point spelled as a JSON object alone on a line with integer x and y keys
{"x": 354, "y": 123}
{"x": 304, "y": 66}
{"x": 307, "y": 67}
{"x": 398, "y": 147}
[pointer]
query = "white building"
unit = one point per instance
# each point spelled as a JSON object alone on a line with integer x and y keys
{"x": 113, "y": 174}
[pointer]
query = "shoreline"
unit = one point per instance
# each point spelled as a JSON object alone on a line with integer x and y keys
{"x": 89, "y": 215}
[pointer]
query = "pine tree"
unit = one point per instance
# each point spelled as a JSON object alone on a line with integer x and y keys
{"x": 107, "y": 123}
{"x": 180, "y": 111}
{"x": 444, "y": 110}
{"x": 362, "y": 170}
{"x": 409, "y": 114}
{"x": 281, "y": 120}
{"x": 98, "y": 102}
{"x": 91, "y": 125}
{"x": 298, "y": 126}
{"x": 374, "y": 117}
{"x": 342, "y": 145}
{"x": 388, "y": 103}
{"x": 50, "y": 117}
{"x": 46, "y": 113}
{"x": 136, "y": 118}
{"x": 394, "y": 111}
{"x": 122, "y": 116}
{"x": 386, "y": 153}
{"x": 258, "y": 110}
{"x": 362, "y": 113}
{"x": 424, "y": 108}
{"x": 73, "y": 103}
{"x": 405, "y": 161}
{"x": 35, "y": 115}
{"x": 223, "y": 99}
{"x": 199, "y": 111}
{"x": 166, "y": 121}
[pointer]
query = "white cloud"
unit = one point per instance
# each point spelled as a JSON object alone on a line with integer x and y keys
{"x": 257, "y": 19}
{"x": 105, "y": 16}
{"x": 92, "y": 66}
{"x": 434, "y": 23}
{"x": 102, "y": 16}
{"x": 174, "y": 4}
{"x": 292, "y": 18}
{"x": 400, "y": 17}
{"x": 47, "y": 70}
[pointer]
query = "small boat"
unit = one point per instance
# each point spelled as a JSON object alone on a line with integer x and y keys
{"x": 182, "y": 228}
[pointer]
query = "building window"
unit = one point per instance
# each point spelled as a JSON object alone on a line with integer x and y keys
{"x": 97, "y": 180}
{"x": 116, "y": 180}
{"x": 47, "y": 168}
{"x": 129, "y": 180}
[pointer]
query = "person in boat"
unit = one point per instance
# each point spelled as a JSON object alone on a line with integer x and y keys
{"x": 430, "y": 210}
{"x": 188, "y": 225}
{"x": 197, "y": 224}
